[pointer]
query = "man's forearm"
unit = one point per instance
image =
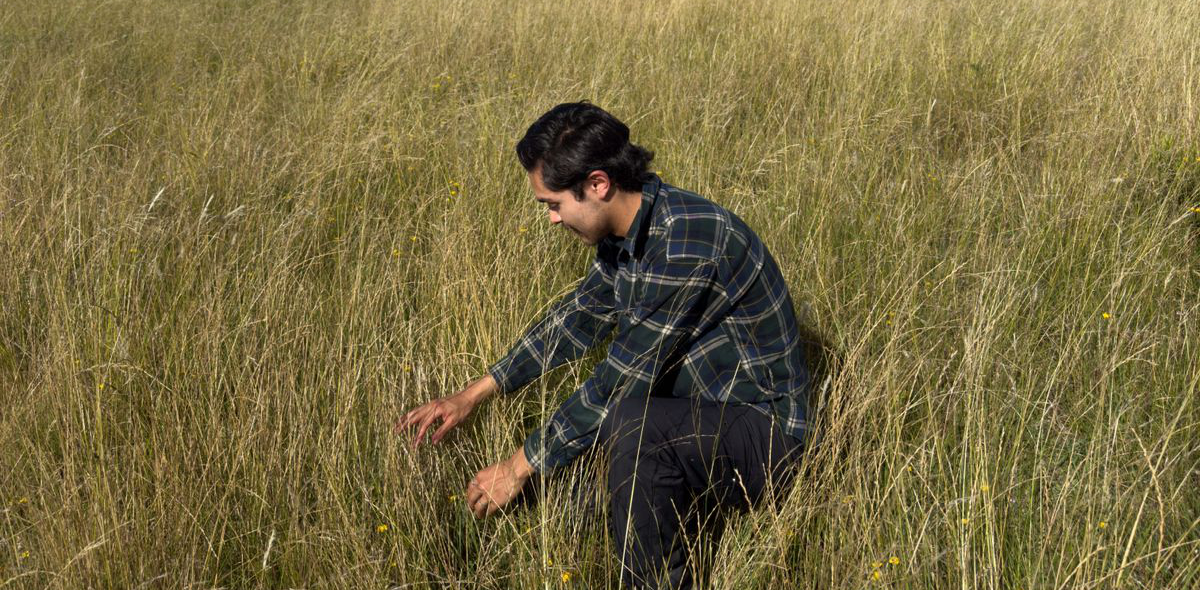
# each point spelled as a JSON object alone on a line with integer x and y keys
{"x": 520, "y": 463}
{"x": 481, "y": 389}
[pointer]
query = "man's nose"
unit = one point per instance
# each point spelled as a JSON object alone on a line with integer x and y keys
{"x": 555, "y": 218}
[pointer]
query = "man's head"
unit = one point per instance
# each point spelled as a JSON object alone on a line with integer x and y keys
{"x": 580, "y": 161}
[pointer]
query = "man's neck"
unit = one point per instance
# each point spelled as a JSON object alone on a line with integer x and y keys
{"x": 627, "y": 205}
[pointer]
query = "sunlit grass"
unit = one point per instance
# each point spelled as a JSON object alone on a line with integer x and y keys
{"x": 239, "y": 239}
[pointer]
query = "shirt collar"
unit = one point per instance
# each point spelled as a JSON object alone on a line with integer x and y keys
{"x": 636, "y": 231}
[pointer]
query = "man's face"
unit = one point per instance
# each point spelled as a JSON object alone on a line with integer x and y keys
{"x": 587, "y": 219}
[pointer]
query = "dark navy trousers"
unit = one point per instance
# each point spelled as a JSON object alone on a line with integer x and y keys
{"x": 674, "y": 464}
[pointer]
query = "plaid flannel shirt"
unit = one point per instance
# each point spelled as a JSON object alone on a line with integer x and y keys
{"x": 700, "y": 308}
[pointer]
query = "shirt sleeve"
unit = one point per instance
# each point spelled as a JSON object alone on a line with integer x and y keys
{"x": 572, "y": 326}
{"x": 680, "y": 301}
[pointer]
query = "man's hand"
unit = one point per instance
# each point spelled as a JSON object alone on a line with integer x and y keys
{"x": 451, "y": 410}
{"x": 496, "y": 486}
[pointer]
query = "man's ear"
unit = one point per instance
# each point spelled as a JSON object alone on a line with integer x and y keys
{"x": 599, "y": 181}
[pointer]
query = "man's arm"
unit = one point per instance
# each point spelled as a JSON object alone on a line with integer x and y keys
{"x": 572, "y": 327}
{"x": 683, "y": 298}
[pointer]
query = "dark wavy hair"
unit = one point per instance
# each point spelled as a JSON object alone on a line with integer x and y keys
{"x": 575, "y": 138}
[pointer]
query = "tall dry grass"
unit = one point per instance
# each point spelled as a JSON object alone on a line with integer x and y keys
{"x": 231, "y": 259}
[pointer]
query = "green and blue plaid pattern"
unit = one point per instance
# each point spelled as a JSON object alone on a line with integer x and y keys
{"x": 700, "y": 308}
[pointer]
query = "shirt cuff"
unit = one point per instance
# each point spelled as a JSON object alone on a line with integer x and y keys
{"x": 535, "y": 454}
{"x": 501, "y": 378}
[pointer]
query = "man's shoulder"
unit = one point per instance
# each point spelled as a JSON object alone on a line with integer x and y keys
{"x": 691, "y": 225}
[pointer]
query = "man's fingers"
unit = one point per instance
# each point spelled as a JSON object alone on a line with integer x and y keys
{"x": 410, "y": 418}
{"x": 447, "y": 424}
{"x": 425, "y": 424}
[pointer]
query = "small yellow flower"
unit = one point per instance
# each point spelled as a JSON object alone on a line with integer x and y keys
{"x": 522, "y": 230}
{"x": 877, "y": 564}
{"x": 453, "y": 193}
{"x": 1105, "y": 315}
{"x": 876, "y": 575}
{"x": 381, "y": 528}
{"x": 566, "y": 577}
{"x": 894, "y": 560}
{"x": 22, "y": 500}
{"x": 413, "y": 238}
{"x": 984, "y": 487}
{"x": 100, "y": 387}
{"x": 1195, "y": 209}
{"x": 436, "y": 85}
{"x": 908, "y": 468}
{"x": 528, "y": 529}
{"x": 965, "y": 520}
{"x": 1103, "y": 524}
{"x": 407, "y": 369}
{"x": 24, "y": 555}
{"x": 847, "y": 499}
{"x": 549, "y": 562}
{"x": 452, "y": 497}
{"x": 395, "y": 251}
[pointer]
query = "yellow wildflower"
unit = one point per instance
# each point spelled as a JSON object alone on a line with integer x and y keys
{"x": 984, "y": 487}
{"x": 100, "y": 387}
{"x": 876, "y": 575}
{"x": 965, "y": 520}
{"x": 877, "y": 564}
{"x": 1195, "y": 209}
{"x": 1105, "y": 315}
{"x": 566, "y": 577}
{"x": 894, "y": 560}
{"x": 1103, "y": 524}
{"x": 22, "y": 500}
{"x": 522, "y": 230}
{"x": 381, "y": 528}
{"x": 452, "y": 497}
{"x": 413, "y": 238}
{"x": 549, "y": 562}
{"x": 24, "y": 555}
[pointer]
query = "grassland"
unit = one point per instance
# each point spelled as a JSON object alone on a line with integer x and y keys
{"x": 239, "y": 239}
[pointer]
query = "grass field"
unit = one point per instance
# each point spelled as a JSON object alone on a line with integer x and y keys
{"x": 239, "y": 239}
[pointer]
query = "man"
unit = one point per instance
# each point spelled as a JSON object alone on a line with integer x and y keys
{"x": 702, "y": 395}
